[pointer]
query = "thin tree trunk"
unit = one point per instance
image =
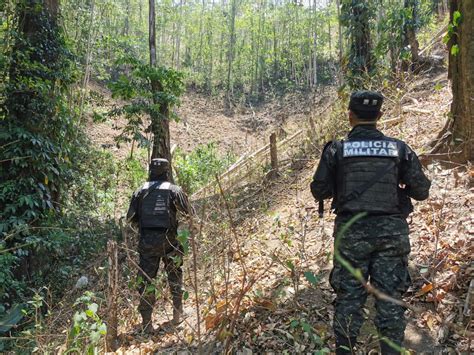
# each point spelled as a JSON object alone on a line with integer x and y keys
{"x": 341, "y": 49}
{"x": 87, "y": 69}
{"x": 410, "y": 28}
{"x": 201, "y": 36}
{"x": 126, "y": 25}
{"x": 211, "y": 51}
{"x": 178, "y": 35}
{"x": 315, "y": 47}
{"x": 152, "y": 32}
{"x": 160, "y": 122}
{"x": 230, "y": 53}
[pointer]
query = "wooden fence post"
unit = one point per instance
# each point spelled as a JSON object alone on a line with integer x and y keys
{"x": 112, "y": 285}
{"x": 273, "y": 154}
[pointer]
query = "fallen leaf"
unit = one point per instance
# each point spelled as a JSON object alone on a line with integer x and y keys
{"x": 212, "y": 320}
{"x": 425, "y": 289}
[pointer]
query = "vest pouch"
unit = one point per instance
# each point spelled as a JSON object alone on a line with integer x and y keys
{"x": 380, "y": 197}
{"x": 155, "y": 209}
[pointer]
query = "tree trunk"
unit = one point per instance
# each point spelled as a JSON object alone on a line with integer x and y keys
{"x": 410, "y": 30}
{"x": 341, "y": 49}
{"x": 87, "y": 69}
{"x": 126, "y": 25}
{"x": 461, "y": 73}
{"x": 361, "y": 60}
{"x": 159, "y": 121}
{"x": 53, "y": 8}
{"x": 152, "y": 32}
{"x": 230, "y": 53}
{"x": 27, "y": 105}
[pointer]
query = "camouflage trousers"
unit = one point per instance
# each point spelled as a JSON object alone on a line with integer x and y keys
{"x": 378, "y": 246}
{"x": 154, "y": 247}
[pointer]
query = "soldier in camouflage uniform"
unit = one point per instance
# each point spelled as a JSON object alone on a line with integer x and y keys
{"x": 370, "y": 172}
{"x": 154, "y": 207}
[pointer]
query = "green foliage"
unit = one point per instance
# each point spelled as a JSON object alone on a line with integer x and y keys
{"x": 135, "y": 171}
{"x": 274, "y": 42}
{"x": 55, "y": 189}
{"x": 299, "y": 326}
{"x": 38, "y": 136}
{"x": 183, "y": 239}
{"x": 199, "y": 167}
{"x": 312, "y": 278}
{"x": 357, "y": 17}
{"x": 88, "y": 328}
{"x": 135, "y": 86}
{"x": 451, "y": 35}
{"x": 385, "y": 25}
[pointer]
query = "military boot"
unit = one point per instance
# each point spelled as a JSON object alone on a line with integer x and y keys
{"x": 345, "y": 346}
{"x": 147, "y": 326}
{"x": 177, "y": 309}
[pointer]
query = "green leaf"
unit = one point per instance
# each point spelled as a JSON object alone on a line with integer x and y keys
{"x": 294, "y": 323}
{"x": 457, "y": 17}
{"x": 185, "y": 295}
{"x": 78, "y": 317}
{"x": 183, "y": 239}
{"x": 290, "y": 265}
{"x": 103, "y": 328}
{"x": 95, "y": 337}
{"x": 94, "y": 307}
{"x": 438, "y": 86}
{"x": 306, "y": 327}
{"x": 12, "y": 318}
{"x": 312, "y": 279}
{"x": 455, "y": 50}
{"x": 97, "y": 117}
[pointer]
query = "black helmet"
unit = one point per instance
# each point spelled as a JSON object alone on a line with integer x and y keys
{"x": 159, "y": 166}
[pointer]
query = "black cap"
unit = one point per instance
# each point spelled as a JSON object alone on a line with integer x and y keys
{"x": 366, "y": 104}
{"x": 159, "y": 166}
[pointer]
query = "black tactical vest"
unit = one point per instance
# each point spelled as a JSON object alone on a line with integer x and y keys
{"x": 368, "y": 176}
{"x": 155, "y": 207}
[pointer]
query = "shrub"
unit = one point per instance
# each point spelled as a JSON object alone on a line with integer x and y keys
{"x": 197, "y": 168}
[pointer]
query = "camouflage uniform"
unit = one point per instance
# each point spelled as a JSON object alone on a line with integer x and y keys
{"x": 379, "y": 247}
{"x": 158, "y": 244}
{"x": 377, "y": 244}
